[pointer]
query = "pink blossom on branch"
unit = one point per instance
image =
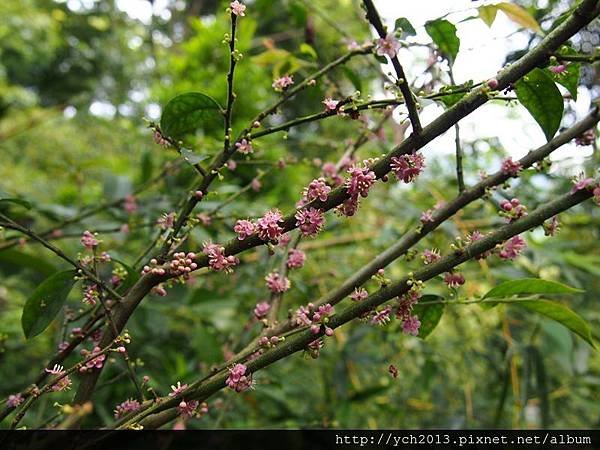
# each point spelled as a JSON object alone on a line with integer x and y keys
{"x": 126, "y": 407}
{"x": 317, "y": 188}
{"x": 360, "y": 181}
{"x": 261, "y": 310}
{"x": 330, "y": 104}
{"x": 217, "y": 259}
{"x": 408, "y": 167}
{"x": 310, "y": 221}
{"x": 510, "y": 167}
{"x": 88, "y": 240}
{"x": 454, "y": 279}
{"x": 512, "y": 248}
{"x": 388, "y": 46}
{"x": 282, "y": 83}
{"x": 411, "y": 325}
{"x": 238, "y": 380}
{"x": 296, "y": 259}
{"x": 359, "y": 294}
{"x": 244, "y": 228}
{"x": 268, "y": 225}
{"x": 237, "y": 8}
{"x": 244, "y": 147}
{"x": 277, "y": 283}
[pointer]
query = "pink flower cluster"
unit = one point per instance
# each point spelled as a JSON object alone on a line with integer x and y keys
{"x": 88, "y": 240}
{"x": 317, "y": 188}
{"x": 582, "y": 183}
{"x": 166, "y": 221}
{"x": 183, "y": 264}
{"x": 330, "y": 104}
{"x": 154, "y": 270}
{"x": 261, "y": 310}
{"x": 454, "y": 279}
{"x": 126, "y": 407}
{"x": 360, "y": 181}
{"x": 510, "y": 167}
{"x": 512, "y": 248}
{"x": 237, "y": 8}
{"x": 94, "y": 363}
{"x": 408, "y": 167}
{"x": 277, "y": 283}
{"x": 427, "y": 216}
{"x": 382, "y": 317}
{"x": 187, "y": 409}
{"x": 359, "y": 294}
{"x": 64, "y": 383}
{"x": 296, "y": 259}
{"x": 91, "y": 295}
{"x": 431, "y": 256}
{"x": 282, "y": 83}
{"x": 244, "y": 228}
{"x": 268, "y": 225}
{"x": 217, "y": 259}
{"x": 244, "y": 147}
{"x": 14, "y": 400}
{"x": 303, "y": 317}
{"x": 513, "y": 209}
{"x": 410, "y": 322}
{"x": 238, "y": 380}
{"x": 310, "y": 221}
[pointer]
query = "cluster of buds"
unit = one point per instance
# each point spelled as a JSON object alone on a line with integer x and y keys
{"x": 321, "y": 318}
{"x": 277, "y": 283}
{"x": 126, "y": 407}
{"x": 217, "y": 259}
{"x": 238, "y": 379}
{"x": 510, "y": 167}
{"x": 94, "y": 363}
{"x": 155, "y": 270}
{"x": 512, "y": 209}
{"x": 91, "y": 294}
{"x": 182, "y": 264}
{"x": 269, "y": 342}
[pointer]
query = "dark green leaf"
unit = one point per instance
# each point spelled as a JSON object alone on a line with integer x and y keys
{"x": 443, "y": 35}
{"x": 429, "y": 315}
{"x": 11, "y": 261}
{"x": 530, "y": 286}
{"x": 146, "y": 167}
{"x": 16, "y": 201}
{"x": 538, "y": 93}
{"x": 353, "y": 77}
{"x": 403, "y": 24}
{"x": 188, "y": 112}
{"x": 382, "y": 59}
{"x": 558, "y": 312}
{"x": 45, "y": 302}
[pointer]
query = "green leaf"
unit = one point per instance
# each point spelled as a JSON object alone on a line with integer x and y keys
{"x": 443, "y": 35}
{"x": 560, "y": 313}
{"x": 12, "y": 261}
{"x": 353, "y": 77}
{"x": 519, "y": 15}
{"x": 45, "y": 302}
{"x": 487, "y": 13}
{"x": 188, "y": 112}
{"x": 306, "y": 49}
{"x": 403, "y": 24}
{"x": 429, "y": 315}
{"x": 570, "y": 77}
{"x": 146, "y": 166}
{"x": 538, "y": 93}
{"x": 16, "y": 201}
{"x": 530, "y": 286}
{"x": 382, "y": 59}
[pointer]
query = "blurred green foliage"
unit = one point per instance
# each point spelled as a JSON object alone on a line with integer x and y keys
{"x": 74, "y": 86}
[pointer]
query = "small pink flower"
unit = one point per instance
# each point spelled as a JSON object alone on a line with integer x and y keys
{"x": 256, "y": 184}
{"x": 349, "y": 207}
{"x": 388, "y": 46}
{"x": 427, "y": 216}
{"x": 244, "y": 147}
{"x": 280, "y": 84}
{"x": 217, "y": 259}
{"x": 238, "y": 380}
{"x": 512, "y": 248}
{"x": 360, "y": 181}
{"x": 558, "y": 69}
{"x": 431, "y": 256}
{"x": 268, "y": 225}
{"x": 330, "y": 104}
{"x": 382, "y": 317}
{"x": 177, "y": 389}
{"x": 126, "y": 407}
{"x": 166, "y": 221}
{"x": 310, "y": 221}
{"x": 277, "y": 283}
{"x": 14, "y": 400}
{"x": 454, "y": 279}
{"x": 408, "y": 167}
{"x": 411, "y": 325}
{"x": 129, "y": 204}
{"x": 261, "y": 310}
{"x": 359, "y": 294}
{"x": 582, "y": 183}
{"x": 296, "y": 258}
{"x": 493, "y": 83}
{"x": 181, "y": 264}
{"x": 284, "y": 239}
{"x": 510, "y": 167}
{"x": 244, "y": 228}
{"x": 91, "y": 295}
{"x": 187, "y": 409}
{"x": 88, "y": 240}
{"x": 316, "y": 189}
{"x": 237, "y": 8}
{"x": 551, "y": 227}
{"x": 94, "y": 363}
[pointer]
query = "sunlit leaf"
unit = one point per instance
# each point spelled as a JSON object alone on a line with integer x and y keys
{"x": 403, "y": 24}
{"x": 487, "y": 13}
{"x": 530, "y": 286}
{"x": 443, "y": 35}
{"x": 188, "y": 112}
{"x": 570, "y": 77}
{"x": 519, "y": 15}
{"x": 537, "y": 92}
{"x": 45, "y": 302}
